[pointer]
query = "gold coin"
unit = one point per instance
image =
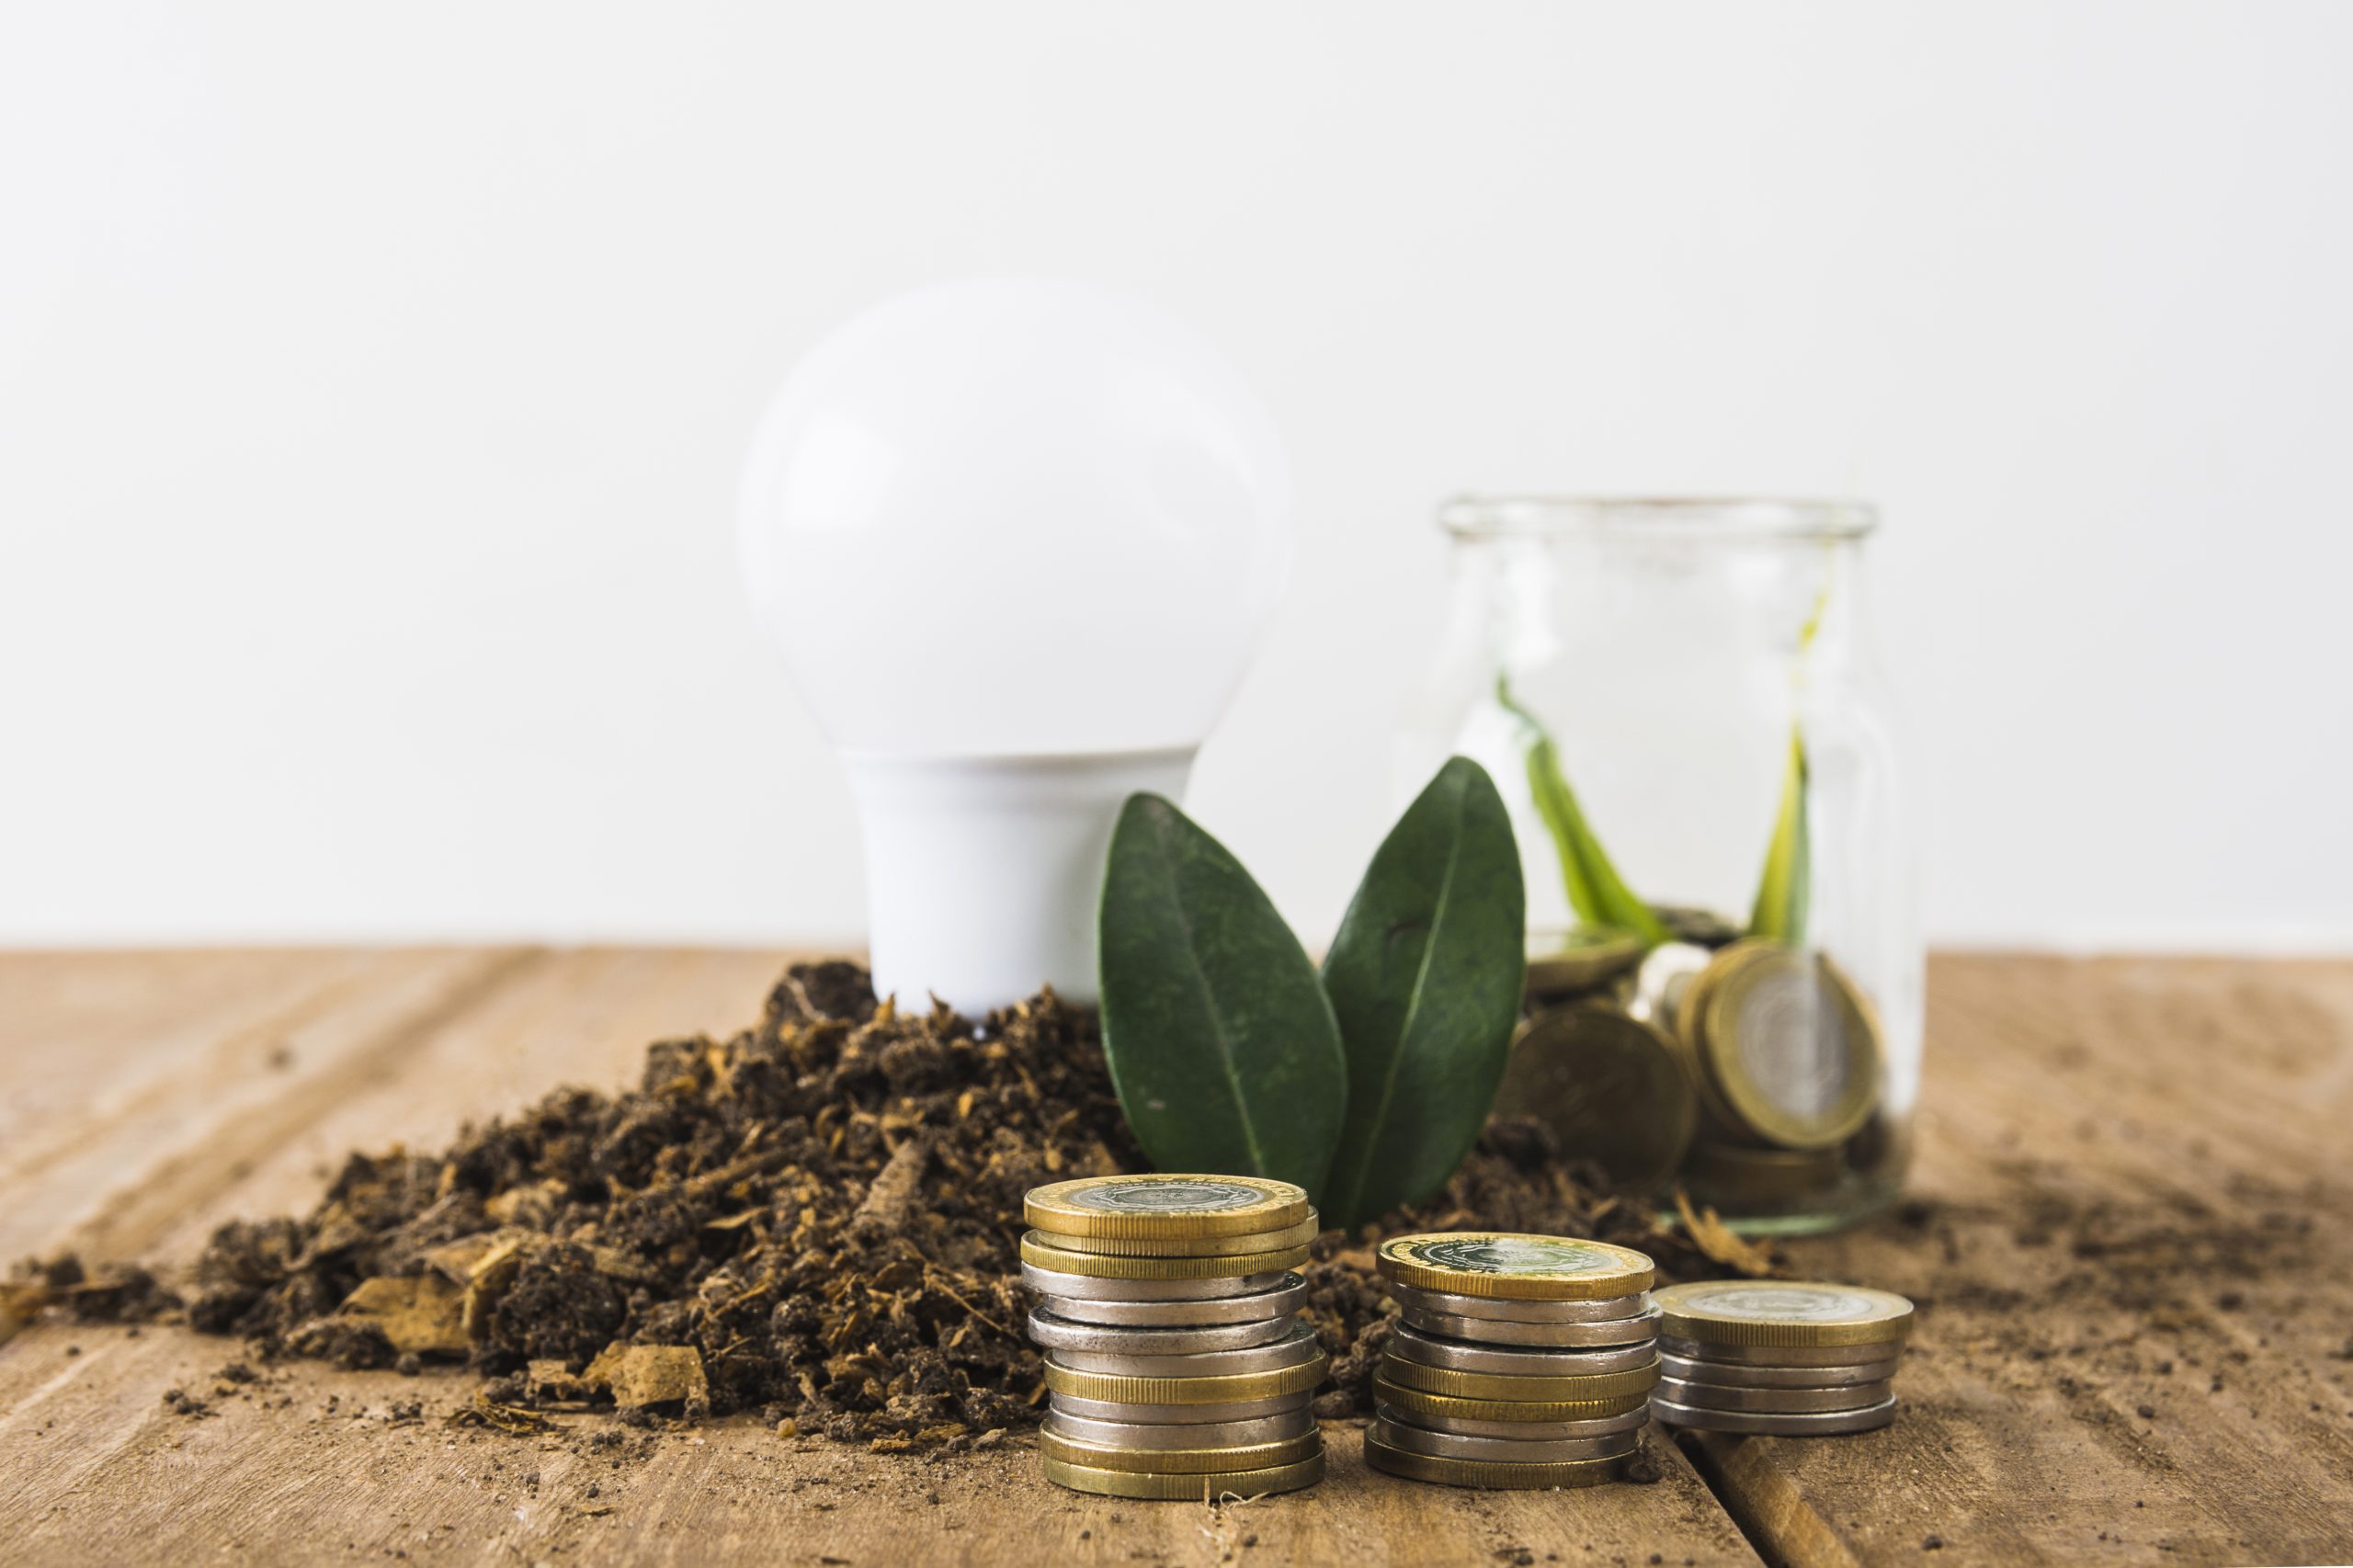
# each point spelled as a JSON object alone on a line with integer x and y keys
{"x": 1520, "y": 1390}
{"x": 1509, "y": 1264}
{"x": 1038, "y": 1251}
{"x": 1492, "y": 1474}
{"x": 1782, "y": 1311}
{"x": 1562, "y": 963}
{"x": 1182, "y": 1461}
{"x": 1297, "y": 1235}
{"x": 1146, "y": 1486}
{"x": 1231, "y": 1388}
{"x": 1165, "y": 1205}
{"x": 1613, "y": 1090}
{"x": 1421, "y": 1401}
{"x": 1786, "y": 1043}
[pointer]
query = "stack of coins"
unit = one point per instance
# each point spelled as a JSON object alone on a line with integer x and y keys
{"x": 1768, "y": 1356}
{"x": 1516, "y": 1361}
{"x": 1176, "y": 1364}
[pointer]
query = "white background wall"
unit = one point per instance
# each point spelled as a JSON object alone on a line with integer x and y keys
{"x": 373, "y": 381}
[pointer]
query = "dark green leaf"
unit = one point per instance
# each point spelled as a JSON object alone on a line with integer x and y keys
{"x": 1221, "y": 1043}
{"x": 1785, "y": 888}
{"x": 1595, "y": 891}
{"x": 1424, "y": 978}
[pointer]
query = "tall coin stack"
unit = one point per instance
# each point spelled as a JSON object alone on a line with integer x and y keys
{"x": 1770, "y": 1356}
{"x": 1516, "y": 1360}
{"x": 1176, "y": 1364}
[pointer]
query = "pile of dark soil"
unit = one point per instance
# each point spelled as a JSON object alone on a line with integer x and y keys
{"x": 817, "y": 1218}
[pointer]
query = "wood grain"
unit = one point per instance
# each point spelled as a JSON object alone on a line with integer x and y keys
{"x": 256, "y": 1074}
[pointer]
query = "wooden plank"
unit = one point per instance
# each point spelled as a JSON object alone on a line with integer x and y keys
{"x": 99, "y": 1468}
{"x": 2135, "y": 1283}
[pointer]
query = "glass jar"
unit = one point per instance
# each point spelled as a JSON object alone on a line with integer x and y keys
{"x": 1679, "y": 702}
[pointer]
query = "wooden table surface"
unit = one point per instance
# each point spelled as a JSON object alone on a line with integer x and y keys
{"x": 2130, "y": 1250}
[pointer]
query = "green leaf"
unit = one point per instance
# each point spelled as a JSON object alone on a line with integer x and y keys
{"x": 1221, "y": 1043}
{"x": 1784, "y": 890}
{"x": 1595, "y": 891}
{"x": 1424, "y": 977}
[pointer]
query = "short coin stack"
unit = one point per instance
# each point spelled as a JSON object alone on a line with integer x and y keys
{"x": 1516, "y": 1360}
{"x": 1177, "y": 1363}
{"x": 1769, "y": 1356}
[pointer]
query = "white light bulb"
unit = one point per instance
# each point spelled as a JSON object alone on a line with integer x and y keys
{"x": 1018, "y": 542}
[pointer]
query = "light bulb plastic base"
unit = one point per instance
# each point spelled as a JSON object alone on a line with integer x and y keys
{"x": 984, "y": 874}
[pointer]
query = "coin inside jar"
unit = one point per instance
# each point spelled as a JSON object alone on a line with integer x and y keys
{"x": 1743, "y": 1375}
{"x": 1564, "y": 1335}
{"x": 1510, "y": 1450}
{"x": 1612, "y": 1090}
{"x": 1295, "y": 1348}
{"x": 1296, "y": 1423}
{"x": 1410, "y": 1344}
{"x": 1156, "y": 1292}
{"x": 1266, "y": 1306}
{"x": 1160, "y": 1413}
{"x": 1050, "y": 1333}
{"x": 1631, "y": 1420}
{"x": 1786, "y": 1043}
{"x": 1449, "y": 1303}
{"x": 1583, "y": 957}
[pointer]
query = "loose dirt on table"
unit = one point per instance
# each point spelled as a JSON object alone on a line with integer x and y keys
{"x": 817, "y": 1218}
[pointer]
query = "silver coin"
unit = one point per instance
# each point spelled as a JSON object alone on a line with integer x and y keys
{"x": 1295, "y": 1349}
{"x": 1761, "y": 1424}
{"x": 1519, "y": 1431}
{"x": 1779, "y": 1355}
{"x": 1445, "y": 1303}
{"x": 1185, "y": 1435}
{"x": 1273, "y": 1305}
{"x": 1772, "y": 1402}
{"x": 1086, "y": 1288}
{"x": 1554, "y": 1335}
{"x": 1175, "y": 1415}
{"x": 1410, "y": 1344}
{"x": 1737, "y": 1374}
{"x": 1506, "y": 1450}
{"x": 1060, "y": 1334}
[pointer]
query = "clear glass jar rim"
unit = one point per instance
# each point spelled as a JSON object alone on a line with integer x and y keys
{"x": 1727, "y": 518}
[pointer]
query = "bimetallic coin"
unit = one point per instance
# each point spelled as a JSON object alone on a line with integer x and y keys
{"x": 1738, "y": 1375}
{"x": 1295, "y": 1349}
{"x": 1786, "y": 1044}
{"x": 1165, "y": 1205}
{"x": 1758, "y": 1178}
{"x": 1381, "y": 1456}
{"x": 1514, "y": 1265}
{"x": 1148, "y": 1414}
{"x": 1449, "y": 1303}
{"x": 1724, "y": 1396}
{"x": 1510, "y": 1450}
{"x": 1053, "y": 1333}
{"x": 1181, "y": 1461}
{"x": 1523, "y": 1390}
{"x": 1410, "y": 1344}
{"x": 1633, "y": 1420}
{"x": 1038, "y": 1249}
{"x": 1184, "y": 1488}
{"x": 1236, "y": 1388}
{"x": 1419, "y": 1403}
{"x": 1782, "y": 1313}
{"x": 1297, "y": 1235}
{"x": 1760, "y": 1424}
{"x": 1580, "y": 958}
{"x": 1793, "y": 1356}
{"x": 1056, "y": 1285}
{"x": 1298, "y": 1423}
{"x": 1612, "y": 1090}
{"x": 1556, "y": 1336}
{"x": 1666, "y": 973}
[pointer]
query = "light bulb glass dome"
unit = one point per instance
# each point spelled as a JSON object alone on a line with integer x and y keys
{"x": 1010, "y": 518}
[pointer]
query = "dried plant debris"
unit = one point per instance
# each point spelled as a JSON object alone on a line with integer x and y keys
{"x": 817, "y": 1220}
